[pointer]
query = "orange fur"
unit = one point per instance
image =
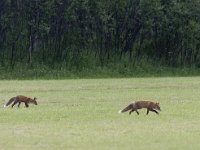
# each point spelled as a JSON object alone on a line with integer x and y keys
{"x": 149, "y": 105}
{"x": 18, "y": 99}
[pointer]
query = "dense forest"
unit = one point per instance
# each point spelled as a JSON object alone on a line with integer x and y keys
{"x": 84, "y": 34}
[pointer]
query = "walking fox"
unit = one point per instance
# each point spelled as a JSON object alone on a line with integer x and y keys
{"x": 18, "y": 99}
{"x": 151, "y": 106}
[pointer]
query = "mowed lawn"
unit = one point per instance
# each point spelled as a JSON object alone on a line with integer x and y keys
{"x": 82, "y": 114}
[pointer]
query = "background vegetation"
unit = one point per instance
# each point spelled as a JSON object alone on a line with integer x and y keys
{"x": 87, "y": 36}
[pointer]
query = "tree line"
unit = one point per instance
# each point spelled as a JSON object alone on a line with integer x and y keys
{"x": 87, "y": 33}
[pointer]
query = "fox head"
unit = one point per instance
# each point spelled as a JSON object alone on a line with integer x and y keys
{"x": 34, "y": 101}
{"x": 157, "y": 106}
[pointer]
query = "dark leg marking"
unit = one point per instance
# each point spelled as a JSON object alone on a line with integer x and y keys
{"x": 15, "y": 102}
{"x": 131, "y": 111}
{"x": 154, "y": 111}
{"x": 19, "y": 104}
{"x": 26, "y": 104}
{"x": 137, "y": 112}
{"x": 147, "y": 111}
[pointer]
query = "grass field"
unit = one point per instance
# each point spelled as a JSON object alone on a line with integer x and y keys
{"x": 83, "y": 114}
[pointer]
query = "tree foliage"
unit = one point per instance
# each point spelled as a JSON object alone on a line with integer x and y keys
{"x": 85, "y": 33}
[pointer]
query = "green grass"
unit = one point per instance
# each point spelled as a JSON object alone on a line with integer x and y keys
{"x": 82, "y": 114}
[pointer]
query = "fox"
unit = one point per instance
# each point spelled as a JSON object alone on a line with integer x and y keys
{"x": 20, "y": 98}
{"x": 149, "y": 105}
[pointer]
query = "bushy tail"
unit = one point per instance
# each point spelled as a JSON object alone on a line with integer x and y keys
{"x": 9, "y": 102}
{"x": 130, "y": 106}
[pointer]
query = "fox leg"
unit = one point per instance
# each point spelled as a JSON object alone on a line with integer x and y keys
{"x": 15, "y": 102}
{"x": 19, "y": 104}
{"x": 147, "y": 111}
{"x": 131, "y": 111}
{"x": 154, "y": 111}
{"x": 137, "y": 112}
{"x": 26, "y": 104}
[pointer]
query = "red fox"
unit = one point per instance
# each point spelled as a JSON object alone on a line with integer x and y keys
{"x": 18, "y": 99}
{"x": 151, "y": 106}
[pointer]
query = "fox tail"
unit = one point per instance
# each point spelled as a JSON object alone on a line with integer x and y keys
{"x": 130, "y": 106}
{"x": 9, "y": 102}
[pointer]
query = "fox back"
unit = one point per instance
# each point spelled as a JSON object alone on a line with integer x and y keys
{"x": 27, "y": 99}
{"x": 146, "y": 104}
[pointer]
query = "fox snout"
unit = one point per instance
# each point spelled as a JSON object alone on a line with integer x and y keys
{"x": 34, "y": 101}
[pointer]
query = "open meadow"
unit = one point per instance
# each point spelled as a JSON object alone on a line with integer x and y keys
{"x": 82, "y": 114}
